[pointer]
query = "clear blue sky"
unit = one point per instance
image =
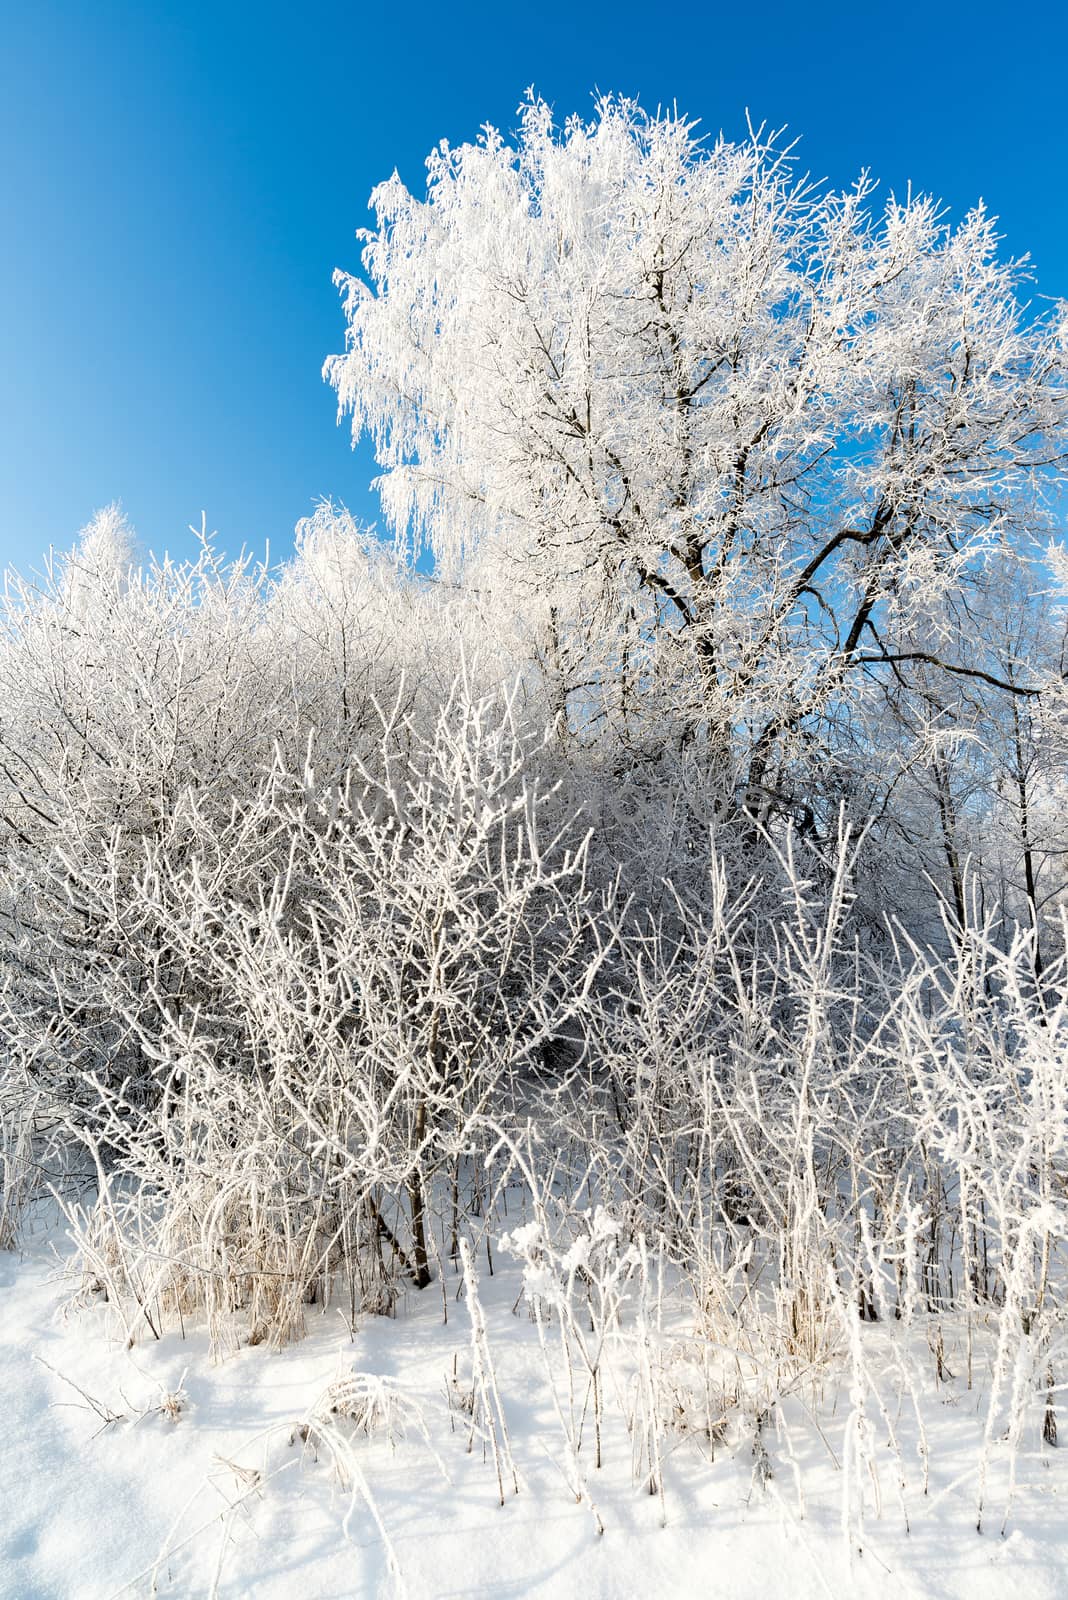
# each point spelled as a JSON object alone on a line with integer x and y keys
{"x": 177, "y": 183}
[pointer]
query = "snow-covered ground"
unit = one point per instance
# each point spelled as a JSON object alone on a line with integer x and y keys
{"x": 230, "y": 1495}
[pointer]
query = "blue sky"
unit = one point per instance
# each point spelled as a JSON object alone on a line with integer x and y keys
{"x": 177, "y": 183}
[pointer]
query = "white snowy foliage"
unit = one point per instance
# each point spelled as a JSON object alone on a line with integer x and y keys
{"x": 666, "y": 892}
{"x": 667, "y": 386}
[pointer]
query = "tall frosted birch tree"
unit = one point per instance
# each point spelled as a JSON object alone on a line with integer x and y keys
{"x": 732, "y": 436}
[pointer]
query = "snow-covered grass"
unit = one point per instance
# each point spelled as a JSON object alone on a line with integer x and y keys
{"x": 361, "y": 1461}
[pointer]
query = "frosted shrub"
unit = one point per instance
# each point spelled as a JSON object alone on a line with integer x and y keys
{"x": 144, "y": 708}
{"x": 365, "y": 971}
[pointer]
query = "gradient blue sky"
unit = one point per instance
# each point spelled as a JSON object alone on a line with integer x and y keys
{"x": 177, "y": 183}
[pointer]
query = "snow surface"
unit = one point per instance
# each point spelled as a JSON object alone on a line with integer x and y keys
{"x": 90, "y": 1508}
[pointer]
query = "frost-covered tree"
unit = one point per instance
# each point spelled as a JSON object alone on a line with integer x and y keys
{"x": 734, "y": 436}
